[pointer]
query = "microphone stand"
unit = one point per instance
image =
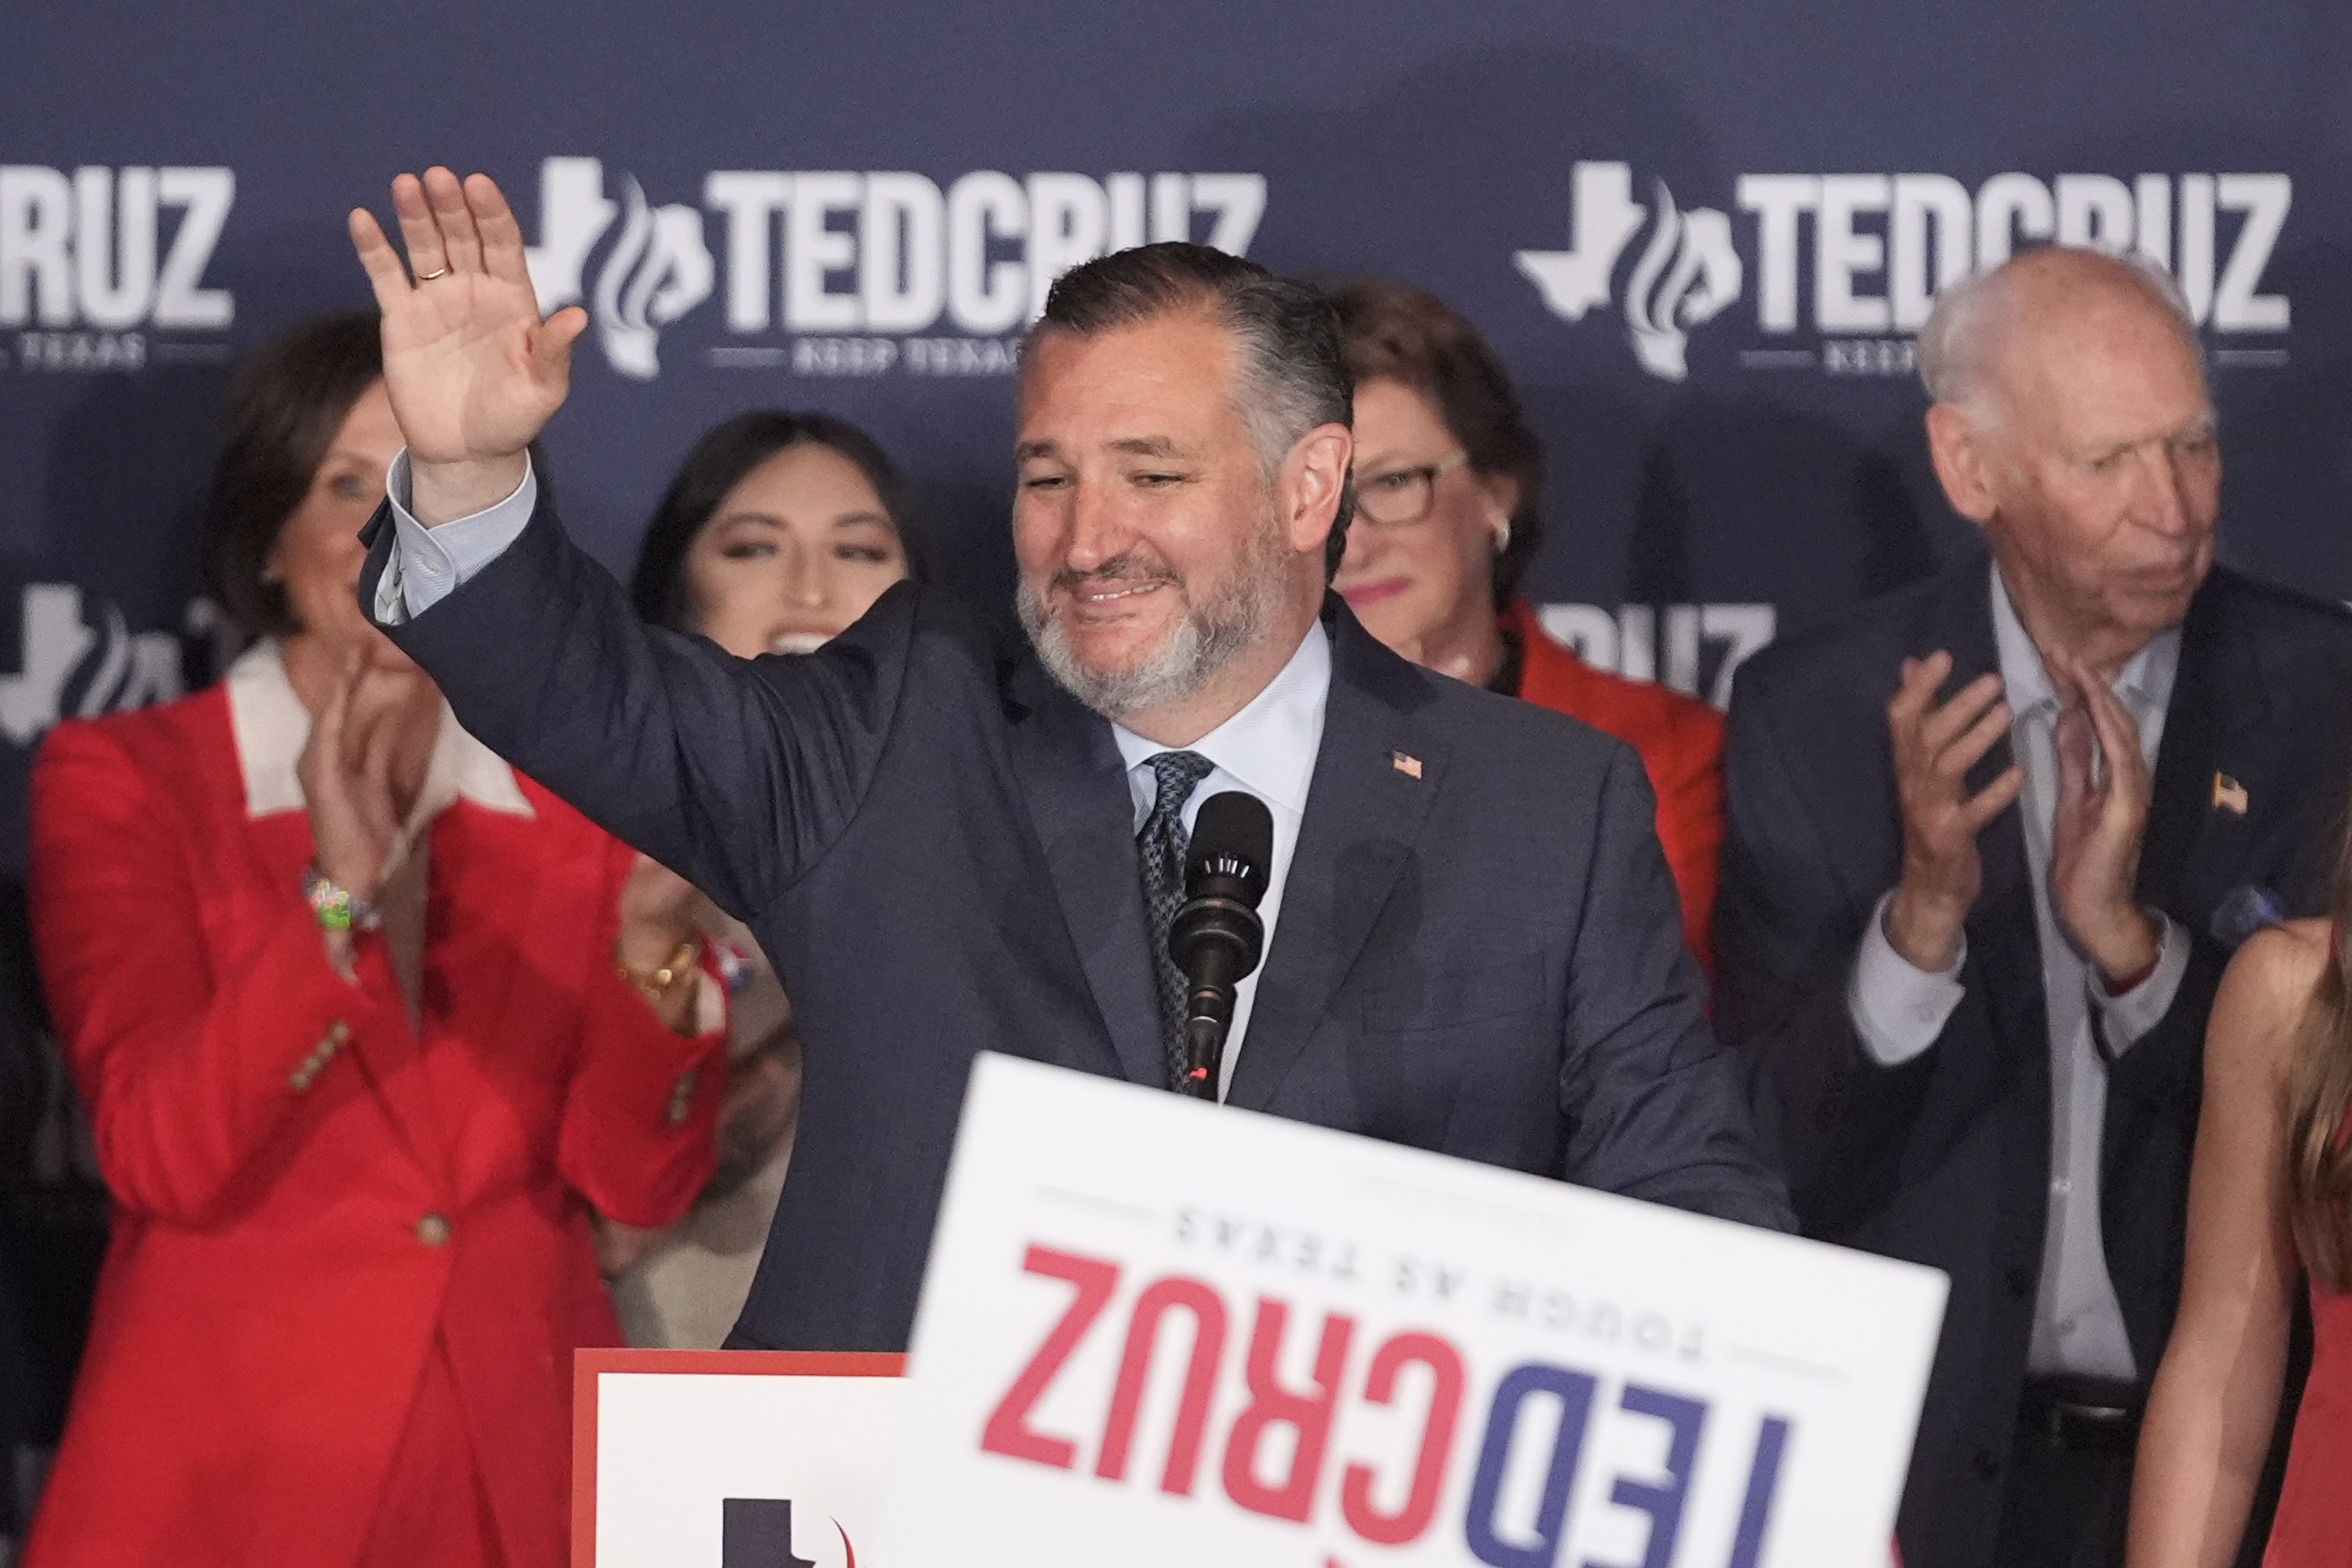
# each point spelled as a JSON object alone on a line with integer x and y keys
{"x": 1204, "y": 1052}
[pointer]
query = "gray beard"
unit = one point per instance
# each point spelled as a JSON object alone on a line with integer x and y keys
{"x": 1209, "y": 637}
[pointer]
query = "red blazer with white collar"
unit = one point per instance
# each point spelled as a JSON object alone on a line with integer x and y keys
{"x": 308, "y": 1188}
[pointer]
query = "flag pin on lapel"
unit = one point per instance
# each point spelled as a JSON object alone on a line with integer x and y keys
{"x": 2229, "y": 796}
{"x": 1407, "y": 765}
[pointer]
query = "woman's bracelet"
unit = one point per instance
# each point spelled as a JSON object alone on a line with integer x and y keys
{"x": 336, "y": 906}
{"x": 655, "y": 984}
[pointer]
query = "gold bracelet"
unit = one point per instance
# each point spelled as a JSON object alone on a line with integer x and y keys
{"x": 654, "y": 985}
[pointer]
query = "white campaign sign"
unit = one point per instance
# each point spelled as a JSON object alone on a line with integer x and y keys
{"x": 1158, "y": 1331}
{"x": 731, "y": 1459}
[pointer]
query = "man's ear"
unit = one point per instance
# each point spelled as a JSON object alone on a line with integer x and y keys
{"x": 1311, "y": 481}
{"x": 1957, "y": 440}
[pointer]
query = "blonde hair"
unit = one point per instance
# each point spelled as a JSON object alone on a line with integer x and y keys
{"x": 2319, "y": 1099}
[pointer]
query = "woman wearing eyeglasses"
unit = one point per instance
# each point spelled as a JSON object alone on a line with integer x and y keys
{"x": 1448, "y": 513}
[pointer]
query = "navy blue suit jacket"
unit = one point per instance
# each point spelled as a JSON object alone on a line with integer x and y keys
{"x": 1946, "y": 1160}
{"x": 935, "y": 845}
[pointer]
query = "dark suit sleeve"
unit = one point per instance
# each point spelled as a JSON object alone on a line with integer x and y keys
{"x": 1786, "y": 935}
{"x": 1651, "y": 1105}
{"x": 736, "y": 773}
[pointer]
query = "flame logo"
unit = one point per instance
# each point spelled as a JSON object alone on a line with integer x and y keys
{"x": 1686, "y": 273}
{"x": 1701, "y": 275}
{"x": 57, "y": 674}
{"x": 658, "y": 268}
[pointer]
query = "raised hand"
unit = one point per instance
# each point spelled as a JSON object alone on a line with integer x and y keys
{"x": 1935, "y": 745}
{"x": 2095, "y": 837}
{"x": 473, "y": 373}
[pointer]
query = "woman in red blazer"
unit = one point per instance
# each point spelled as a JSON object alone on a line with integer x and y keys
{"x": 365, "y": 1024}
{"x": 1448, "y": 486}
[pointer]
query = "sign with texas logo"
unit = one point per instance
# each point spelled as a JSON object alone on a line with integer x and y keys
{"x": 1160, "y": 1331}
{"x": 728, "y": 1458}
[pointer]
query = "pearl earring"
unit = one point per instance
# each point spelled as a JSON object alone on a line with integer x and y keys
{"x": 1502, "y": 533}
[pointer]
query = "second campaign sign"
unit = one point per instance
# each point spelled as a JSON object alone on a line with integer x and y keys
{"x": 1160, "y": 1331}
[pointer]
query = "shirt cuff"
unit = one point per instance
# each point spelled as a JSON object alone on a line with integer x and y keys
{"x": 1897, "y": 1008}
{"x": 2124, "y": 1019}
{"x": 427, "y": 563}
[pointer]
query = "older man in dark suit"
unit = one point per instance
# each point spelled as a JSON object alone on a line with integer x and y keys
{"x": 952, "y": 845}
{"x": 1989, "y": 840}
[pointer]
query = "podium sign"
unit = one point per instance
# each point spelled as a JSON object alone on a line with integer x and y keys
{"x": 729, "y": 1459}
{"x": 1160, "y": 1331}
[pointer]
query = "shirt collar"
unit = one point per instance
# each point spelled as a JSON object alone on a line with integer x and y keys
{"x": 2144, "y": 684}
{"x": 271, "y": 726}
{"x": 1269, "y": 746}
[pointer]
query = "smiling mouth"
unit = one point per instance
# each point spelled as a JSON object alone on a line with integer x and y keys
{"x": 1373, "y": 592}
{"x": 797, "y": 642}
{"x": 1108, "y": 599}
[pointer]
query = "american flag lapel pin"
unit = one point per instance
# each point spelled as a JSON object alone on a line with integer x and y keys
{"x": 2229, "y": 796}
{"x": 1409, "y": 766}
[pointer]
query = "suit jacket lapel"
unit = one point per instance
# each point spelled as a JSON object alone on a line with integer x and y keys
{"x": 1075, "y": 783}
{"x": 1363, "y": 813}
{"x": 2186, "y": 833}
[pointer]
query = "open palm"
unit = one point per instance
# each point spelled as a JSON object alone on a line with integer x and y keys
{"x": 473, "y": 373}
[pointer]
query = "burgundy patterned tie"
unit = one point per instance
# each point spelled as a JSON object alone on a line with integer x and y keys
{"x": 1160, "y": 846}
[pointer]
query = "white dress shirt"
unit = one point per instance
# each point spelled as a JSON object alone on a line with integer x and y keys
{"x": 1898, "y": 1010}
{"x": 1266, "y": 750}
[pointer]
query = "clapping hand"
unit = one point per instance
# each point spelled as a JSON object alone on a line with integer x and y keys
{"x": 2095, "y": 837}
{"x": 346, "y": 772}
{"x": 1935, "y": 745}
{"x": 473, "y": 373}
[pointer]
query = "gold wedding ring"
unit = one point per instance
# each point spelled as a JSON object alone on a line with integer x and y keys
{"x": 428, "y": 277}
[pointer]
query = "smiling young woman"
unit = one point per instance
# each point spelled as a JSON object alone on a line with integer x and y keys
{"x": 778, "y": 531}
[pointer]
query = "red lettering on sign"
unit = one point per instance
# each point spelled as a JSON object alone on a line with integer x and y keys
{"x": 1356, "y": 1503}
{"x": 1208, "y": 1311}
{"x": 1308, "y": 1415}
{"x": 1008, "y": 1431}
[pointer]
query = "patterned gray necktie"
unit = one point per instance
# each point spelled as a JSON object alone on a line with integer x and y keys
{"x": 1160, "y": 846}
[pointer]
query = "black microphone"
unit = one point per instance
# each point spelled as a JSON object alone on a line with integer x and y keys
{"x": 1217, "y": 937}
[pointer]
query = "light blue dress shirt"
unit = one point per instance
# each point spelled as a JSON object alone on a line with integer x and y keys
{"x": 1898, "y": 1011}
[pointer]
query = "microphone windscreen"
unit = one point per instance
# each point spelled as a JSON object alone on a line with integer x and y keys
{"x": 1233, "y": 836}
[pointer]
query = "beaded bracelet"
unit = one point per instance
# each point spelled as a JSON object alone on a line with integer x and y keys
{"x": 336, "y": 906}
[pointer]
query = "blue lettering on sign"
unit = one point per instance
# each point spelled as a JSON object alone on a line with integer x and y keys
{"x": 1763, "y": 1481}
{"x": 1662, "y": 1501}
{"x": 1574, "y": 1391}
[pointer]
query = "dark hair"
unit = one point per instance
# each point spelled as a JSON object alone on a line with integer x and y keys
{"x": 726, "y": 452}
{"x": 1293, "y": 375}
{"x": 285, "y": 404}
{"x": 1396, "y": 333}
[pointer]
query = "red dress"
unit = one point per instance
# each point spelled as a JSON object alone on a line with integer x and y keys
{"x": 2314, "y": 1527}
{"x": 350, "y": 1255}
{"x": 1680, "y": 740}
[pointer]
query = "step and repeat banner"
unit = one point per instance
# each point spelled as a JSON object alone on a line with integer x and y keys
{"x": 1703, "y": 236}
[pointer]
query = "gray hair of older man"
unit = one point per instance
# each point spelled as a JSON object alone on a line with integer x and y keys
{"x": 1292, "y": 373}
{"x": 1956, "y": 342}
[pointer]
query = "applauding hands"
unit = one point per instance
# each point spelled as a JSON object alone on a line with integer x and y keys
{"x": 2095, "y": 839}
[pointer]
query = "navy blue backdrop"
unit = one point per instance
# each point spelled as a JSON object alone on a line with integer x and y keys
{"x": 1701, "y": 233}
